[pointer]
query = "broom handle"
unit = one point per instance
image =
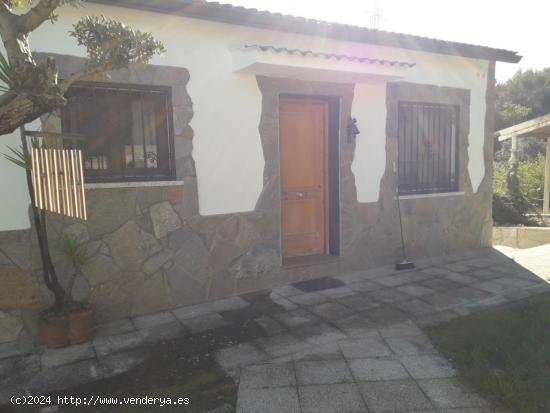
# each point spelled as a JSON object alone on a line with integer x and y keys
{"x": 401, "y": 227}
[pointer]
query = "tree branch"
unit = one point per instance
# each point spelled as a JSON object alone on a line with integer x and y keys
{"x": 37, "y": 15}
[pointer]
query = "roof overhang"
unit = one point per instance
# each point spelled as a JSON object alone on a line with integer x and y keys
{"x": 227, "y": 13}
{"x": 534, "y": 128}
{"x": 310, "y": 65}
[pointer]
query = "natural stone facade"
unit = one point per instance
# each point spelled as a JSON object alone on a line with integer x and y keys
{"x": 149, "y": 249}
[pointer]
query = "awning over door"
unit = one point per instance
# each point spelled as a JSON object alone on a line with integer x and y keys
{"x": 309, "y": 65}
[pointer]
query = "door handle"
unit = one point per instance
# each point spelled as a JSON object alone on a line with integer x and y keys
{"x": 300, "y": 195}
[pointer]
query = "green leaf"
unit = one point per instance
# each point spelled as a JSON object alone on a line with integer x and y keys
{"x": 18, "y": 158}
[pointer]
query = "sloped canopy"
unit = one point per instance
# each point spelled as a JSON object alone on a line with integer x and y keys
{"x": 274, "y": 61}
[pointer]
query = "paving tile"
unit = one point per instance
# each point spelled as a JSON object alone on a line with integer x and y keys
{"x": 166, "y": 331}
{"x": 111, "y": 344}
{"x": 282, "y": 345}
{"x": 441, "y": 284}
{"x": 317, "y": 334}
{"x": 407, "y": 328}
{"x": 461, "y": 278}
{"x": 285, "y": 303}
{"x": 296, "y": 318}
{"x": 376, "y": 369}
{"x": 225, "y": 304}
{"x": 153, "y": 320}
{"x": 394, "y": 396}
{"x": 415, "y": 290}
{"x": 366, "y": 286}
{"x": 308, "y": 299}
{"x": 323, "y": 372}
{"x": 364, "y": 347}
{"x": 470, "y": 293}
{"x": 457, "y": 267}
{"x": 57, "y": 378}
{"x": 385, "y": 315}
{"x": 118, "y": 363}
{"x": 286, "y": 291}
{"x": 204, "y": 322}
{"x": 330, "y": 311}
{"x": 355, "y": 324}
{"x": 183, "y": 313}
{"x": 389, "y": 295}
{"x": 243, "y": 354}
{"x": 442, "y": 301}
{"x": 429, "y": 366}
{"x": 338, "y": 292}
{"x": 57, "y": 357}
{"x": 485, "y": 274}
{"x": 271, "y": 400}
{"x": 411, "y": 345}
{"x": 318, "y": 284}
{"x": 267, "y": 375}
{"x": 359, "y": 303}
{"x": 450, "y": 393}
{"x": 114, "y": 327}
{"x": 331, "y": 398}
{"x": 270, "y": 325}
{"x": 10, "y": 349}
{"x": 329, "y": 351}
{"x": 437, "y": 318}
{"x": 416, "y": 307}
{"x": 435, "y": 271}
{"x": 398, "y": 279}
{"x": 352, "y": 277}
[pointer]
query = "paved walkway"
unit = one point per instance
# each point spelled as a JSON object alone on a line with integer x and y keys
{"x": 348, "y": 343}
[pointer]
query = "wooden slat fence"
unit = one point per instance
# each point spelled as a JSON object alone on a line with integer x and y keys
{"x": 58, "y": 181}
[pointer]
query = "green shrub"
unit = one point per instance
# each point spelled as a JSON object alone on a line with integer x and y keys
{"x": 519, "y": 194}
{"x": 499, "y": 178}
{"x": 531, "y": 179}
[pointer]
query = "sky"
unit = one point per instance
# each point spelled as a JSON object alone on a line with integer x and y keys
{"x": 501, "y": 24}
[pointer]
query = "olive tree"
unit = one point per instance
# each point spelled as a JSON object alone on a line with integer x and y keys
{"x": 32, "y": 87}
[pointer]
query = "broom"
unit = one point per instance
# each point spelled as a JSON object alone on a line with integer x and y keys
{"x": 405, "y": 264}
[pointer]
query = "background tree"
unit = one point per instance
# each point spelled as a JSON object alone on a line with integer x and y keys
{"x": 518, "y": 189}
{"x": 523, "y": 97}
{"x": 32, "y": 87}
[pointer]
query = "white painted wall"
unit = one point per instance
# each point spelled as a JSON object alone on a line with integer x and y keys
{"x": 14, "y": 198}
{"x": 227, "y": 106}
{"x": 369, "y": 107}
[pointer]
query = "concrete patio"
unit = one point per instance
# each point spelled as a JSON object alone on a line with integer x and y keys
{"x": 348, "y": 343}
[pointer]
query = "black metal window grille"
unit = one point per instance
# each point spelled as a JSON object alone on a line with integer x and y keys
{"x": 127, "y": 131}
{"x": 427, "y": 148}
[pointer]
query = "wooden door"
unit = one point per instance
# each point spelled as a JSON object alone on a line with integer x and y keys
{"x": 303, "y": 149}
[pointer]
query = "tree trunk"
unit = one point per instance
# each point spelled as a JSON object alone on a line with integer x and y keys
{"x": 39, "y": 217}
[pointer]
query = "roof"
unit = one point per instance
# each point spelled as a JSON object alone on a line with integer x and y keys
{"x": 228, "y": 13}
{"x": 284, "y": 50}
{"x": 534, "y": 128}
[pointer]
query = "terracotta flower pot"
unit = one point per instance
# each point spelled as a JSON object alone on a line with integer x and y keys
{"x": 53, "y": 331}
{"x": 81, "y": 325}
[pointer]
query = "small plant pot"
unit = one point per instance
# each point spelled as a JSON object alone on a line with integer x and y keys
{"x": 53, "y": 331}
{"x": 81, "y": 325}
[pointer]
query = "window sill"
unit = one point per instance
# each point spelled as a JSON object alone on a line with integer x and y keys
{"x": 436, "y": 195}
{"x": 143, "y": 184}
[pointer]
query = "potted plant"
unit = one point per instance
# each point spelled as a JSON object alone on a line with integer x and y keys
{"x": 74, "y": 323}
{"x": 81, "y": 315}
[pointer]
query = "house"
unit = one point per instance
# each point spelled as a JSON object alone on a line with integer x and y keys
{"x": 260, "y": 149}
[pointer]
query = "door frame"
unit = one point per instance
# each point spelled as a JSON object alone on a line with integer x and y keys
{"x": 332, "y": 172}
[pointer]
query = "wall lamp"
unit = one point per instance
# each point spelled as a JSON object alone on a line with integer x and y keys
{"x": 353, "y": 131}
